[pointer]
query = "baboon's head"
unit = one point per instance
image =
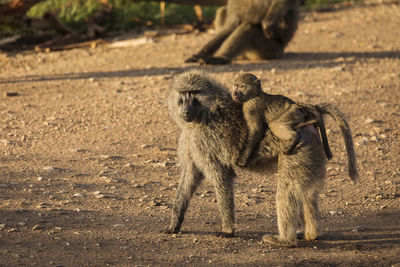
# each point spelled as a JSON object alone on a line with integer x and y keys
{"x": 188, "y": 105}
{"x": 245, "y": 87}
{"x": 189, "y": 97}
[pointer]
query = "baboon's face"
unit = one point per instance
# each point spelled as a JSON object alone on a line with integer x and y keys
{"x": 245, "y": 87}
{"x": 242, "y": 92}
{"x": 189, "y": 105}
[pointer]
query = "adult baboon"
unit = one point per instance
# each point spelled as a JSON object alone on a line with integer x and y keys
{"x": 251, "y": 29}
{"x": 213, "y": 131}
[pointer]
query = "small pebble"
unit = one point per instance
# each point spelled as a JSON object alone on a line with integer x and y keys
{"x": 369, "y": 120}
{"x": 358, "y": 229}
{"x": 48, "y": 168}
{"x": 37, "y": 227}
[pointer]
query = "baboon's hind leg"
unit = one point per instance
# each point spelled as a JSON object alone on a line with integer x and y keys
{"x": 287, "y": 207}
{"x": 310, "y": 215}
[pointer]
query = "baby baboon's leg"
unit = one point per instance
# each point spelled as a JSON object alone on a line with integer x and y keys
{"x": 289, "y": 137}
{"x": 255, "y": 125}
{"x": 189, "y": 181}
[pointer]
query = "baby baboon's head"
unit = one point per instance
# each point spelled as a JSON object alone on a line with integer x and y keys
{"x": 245, "y": 87}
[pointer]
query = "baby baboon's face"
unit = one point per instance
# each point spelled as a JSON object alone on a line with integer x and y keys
{"x": 245, "y": 87}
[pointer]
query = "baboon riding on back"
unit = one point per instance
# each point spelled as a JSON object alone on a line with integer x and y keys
{"x": 213, "y": 132}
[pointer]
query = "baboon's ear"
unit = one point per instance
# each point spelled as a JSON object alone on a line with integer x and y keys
{"x": 258, "y": 84}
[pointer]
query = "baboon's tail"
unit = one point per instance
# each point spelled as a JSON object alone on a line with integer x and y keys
{"x": 338, "y": 116}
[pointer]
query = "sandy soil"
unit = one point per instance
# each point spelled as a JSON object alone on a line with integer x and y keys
{"x": 88, "y": 152}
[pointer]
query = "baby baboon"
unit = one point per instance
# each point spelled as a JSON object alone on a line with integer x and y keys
{"x": 212, "y": 132}
{"x": 280, "y": 113}
{"x": 283, "y": 116}
{"x": 258, "y": 29}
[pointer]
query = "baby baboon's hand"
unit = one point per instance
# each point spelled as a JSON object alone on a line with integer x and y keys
{"x": 242, "y": 162}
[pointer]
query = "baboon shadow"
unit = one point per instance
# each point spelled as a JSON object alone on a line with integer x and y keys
{"x": 386, "y": 233}
{"x": 290, "y": 61}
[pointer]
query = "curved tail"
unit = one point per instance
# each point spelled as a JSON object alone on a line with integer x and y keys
{"x": 337, "y": 115}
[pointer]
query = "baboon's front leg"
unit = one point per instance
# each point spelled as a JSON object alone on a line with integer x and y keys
{"x": 189, "y": 181}
{"x": 223, "y": 182}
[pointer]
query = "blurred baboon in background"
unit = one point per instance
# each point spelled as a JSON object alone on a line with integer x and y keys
{"x": 255, "y": 30}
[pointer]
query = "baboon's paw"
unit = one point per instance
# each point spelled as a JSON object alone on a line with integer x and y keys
{"x": 213, "y": 61}
{"x": 300, "y": 235}
{"x": 192, "y": 59}
{"x": 169, "y": 231}
{"x": 274, "y": 240}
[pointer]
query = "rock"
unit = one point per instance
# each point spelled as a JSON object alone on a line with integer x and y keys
{"x": 358, "y": 229}
{"x": 49, "y": 168}
{"x": 6, "y": 142}
{"x": 2, "y": 226}
{"x": 79, "y": 150}
{"x": 78, "y": 195}
{"x": 37, "y": 227}
{"x": 11, "y": 94}
{"x": 43, "y": 205}
{"x": 369, "y": 120}
{"x": 335, "y": 212}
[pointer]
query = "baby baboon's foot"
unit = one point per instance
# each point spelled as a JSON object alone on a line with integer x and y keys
{"x": 274, "y": 240}
{"x": 241, "y": 162}
{"x": 292, "y": 147}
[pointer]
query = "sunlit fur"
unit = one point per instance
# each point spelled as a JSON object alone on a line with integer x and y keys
{"x": 209, "y": 146}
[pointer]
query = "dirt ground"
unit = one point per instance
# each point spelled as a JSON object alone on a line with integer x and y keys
{"x": 88, "y": 152}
